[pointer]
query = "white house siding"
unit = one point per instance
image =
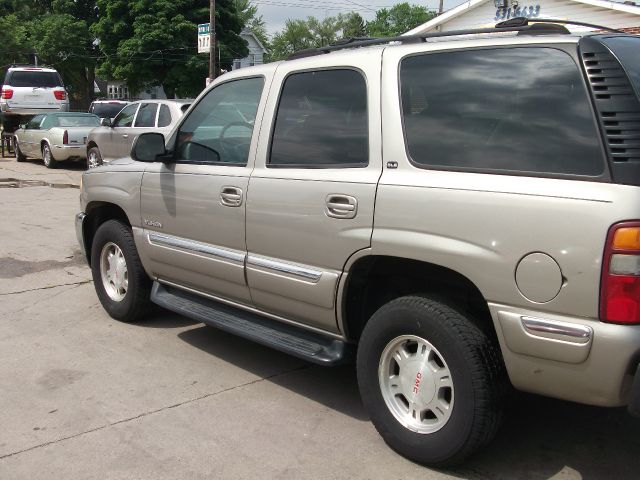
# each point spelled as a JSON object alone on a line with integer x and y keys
{"x": 484, "y": 15}
{"x": 256, "y": 53}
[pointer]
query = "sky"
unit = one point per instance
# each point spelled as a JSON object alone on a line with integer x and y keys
{"x": 276, "y": 12}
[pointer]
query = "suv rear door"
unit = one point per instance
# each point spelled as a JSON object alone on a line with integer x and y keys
{"x": 311, "y": 194}
{"x": 34, "y": 88}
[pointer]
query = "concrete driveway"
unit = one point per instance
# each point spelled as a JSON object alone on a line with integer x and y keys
{"x": 85, "y": 397}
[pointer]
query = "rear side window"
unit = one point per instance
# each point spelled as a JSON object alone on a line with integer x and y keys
{"x": 515, "y": 110}
{"x": 34, "y": 79}
{"x": 321, "y": 121}
{"x": 164, "y": 118}
{"x": 146, "y": 115}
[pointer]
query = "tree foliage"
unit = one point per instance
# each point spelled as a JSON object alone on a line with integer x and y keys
{"x": 153, "y": 42}
{"x": 397, "y": 20}
{"x": 58, "y": 31}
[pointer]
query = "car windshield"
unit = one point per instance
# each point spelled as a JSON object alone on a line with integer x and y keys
{"x": 78, "y": 121}
{"x": 107, "y": 110}
{"x": 626, "y": 49}
{"x": 34, "y": 79}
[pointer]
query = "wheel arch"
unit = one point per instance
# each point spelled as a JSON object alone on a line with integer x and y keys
{"x": 374, "y": 280}
{"x": 97, "y": 213}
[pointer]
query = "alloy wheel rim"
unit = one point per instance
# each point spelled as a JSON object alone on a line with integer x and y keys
{"x": 93, "y": 160}
{"x": 113, "y": 272}
{"x": 47, "y": 155}
{"x": 416, "y": 384}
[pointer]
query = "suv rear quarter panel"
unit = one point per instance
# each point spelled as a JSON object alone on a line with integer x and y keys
{"x": 481, "y": 225}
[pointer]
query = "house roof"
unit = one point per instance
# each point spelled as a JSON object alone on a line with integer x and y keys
{"x": 248, "y": 33}
{"x": 471, "y": 4}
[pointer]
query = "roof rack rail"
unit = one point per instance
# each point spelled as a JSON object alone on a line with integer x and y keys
{"x": 522, "y": 25}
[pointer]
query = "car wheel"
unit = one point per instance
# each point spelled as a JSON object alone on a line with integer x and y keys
{"x": 431, "y": 380}
{"x": 20, "y": 157}
{"x": 94, "y": 159}
{"x": 47, "y": 157}
{"x": 121, "y": 283}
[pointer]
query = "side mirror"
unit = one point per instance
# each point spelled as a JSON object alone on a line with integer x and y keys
{"x": 147, "y": 147}
{"x": 23, "y": 126}
{"x": 106, "y": 122}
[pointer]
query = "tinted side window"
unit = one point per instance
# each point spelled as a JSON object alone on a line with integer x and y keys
{"x": 519, "y": 109}
{"x": 219, "y": 128}
{"x": 125, "y": 117}
{"x": 321, "y": 120}
{"x": 146, "y": 115}
{"x": 164, "y": 118}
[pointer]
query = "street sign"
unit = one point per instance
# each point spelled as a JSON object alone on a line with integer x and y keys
{"x": 203, "y": 38}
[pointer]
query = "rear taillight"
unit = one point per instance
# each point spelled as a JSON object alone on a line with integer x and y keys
{"x": 60, "y": 94}
{"x": 65, "y": 137}
{"x": 620, "y": 285}
{"x": 7, "y": 93}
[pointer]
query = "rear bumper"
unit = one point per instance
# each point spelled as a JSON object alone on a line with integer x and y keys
{"x": 18, "y": 110}
{"x": 634, "y": 404}
{"x": 80, "y": 217}
{"x": 64, "y": 152}
{"x": 572, "y": 358}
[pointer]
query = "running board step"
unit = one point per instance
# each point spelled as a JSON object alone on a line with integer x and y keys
{"x": 290, "y": 339}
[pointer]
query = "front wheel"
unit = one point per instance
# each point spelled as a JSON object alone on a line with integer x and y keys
{"x": 20, "y": 157}
{"x": 47, "y": 157}
{"x": 431, "y": 380}
{"x": 121, "y": 283}
{"x": 94, "y": 159}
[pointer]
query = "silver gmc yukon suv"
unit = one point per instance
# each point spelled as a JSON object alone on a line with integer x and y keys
{"x": 459, "y": 211}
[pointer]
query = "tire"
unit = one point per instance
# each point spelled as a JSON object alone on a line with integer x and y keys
{"x": 47, "y": 157}
{"x": 125, "y": 301}
{"x": 20, "y": 157}
{"x": 94, "y": 159}
{"x": 454, "y": 417}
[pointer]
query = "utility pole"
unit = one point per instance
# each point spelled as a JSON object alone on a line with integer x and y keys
{"x": 441, "y": 9}
{"x": 212, "y": 40}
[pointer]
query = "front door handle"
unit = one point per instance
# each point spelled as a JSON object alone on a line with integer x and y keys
{"x": 231, "y": 196}
{"x": 124, "y": 135}
{"x": 341, "y": 206}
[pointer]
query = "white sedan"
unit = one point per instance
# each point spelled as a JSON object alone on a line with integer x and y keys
{"x": 54, "y": 137}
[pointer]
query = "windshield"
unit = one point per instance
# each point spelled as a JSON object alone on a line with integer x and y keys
{"x": 626, "y": 49}
{"x": 107, "y": 110}
{"x": 34, "y": 79}
{"x": 78, "y": 121}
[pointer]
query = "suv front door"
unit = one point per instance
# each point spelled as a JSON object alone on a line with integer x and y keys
{"x": 311, "y": 195}
{"x": 193, "y": 208}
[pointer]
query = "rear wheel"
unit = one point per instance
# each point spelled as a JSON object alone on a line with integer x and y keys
{"x": 121, "y": 283}
{"x": 47, "y": 157}
{"x": 431, "y": 380}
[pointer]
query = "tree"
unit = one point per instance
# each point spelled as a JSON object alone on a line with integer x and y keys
{"x": 58, "y": 31}
{"x": 252, "y": 21}
{"x": 153, "y": 42}
{"x": 353, "y": 26}
{"x": 397, "y": 20}
{"x": 313, "y": 33}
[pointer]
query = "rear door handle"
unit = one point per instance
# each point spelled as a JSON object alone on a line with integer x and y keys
{"x": 341, "y": 206}
{"x": 231, "y": 196}
{"x": 124, "y": 135}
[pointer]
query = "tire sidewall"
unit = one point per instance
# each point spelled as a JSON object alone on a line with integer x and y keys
{"x": 390, "y": 322}
{"x": 111, "y": 231}
{"x": 98, "y": 157}
{"x": 51, "y": 162}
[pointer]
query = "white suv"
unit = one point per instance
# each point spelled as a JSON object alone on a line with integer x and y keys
{"x": 29, "y": 90}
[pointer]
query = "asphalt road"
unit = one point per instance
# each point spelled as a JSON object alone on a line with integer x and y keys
{"x": 85, "y": 397}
